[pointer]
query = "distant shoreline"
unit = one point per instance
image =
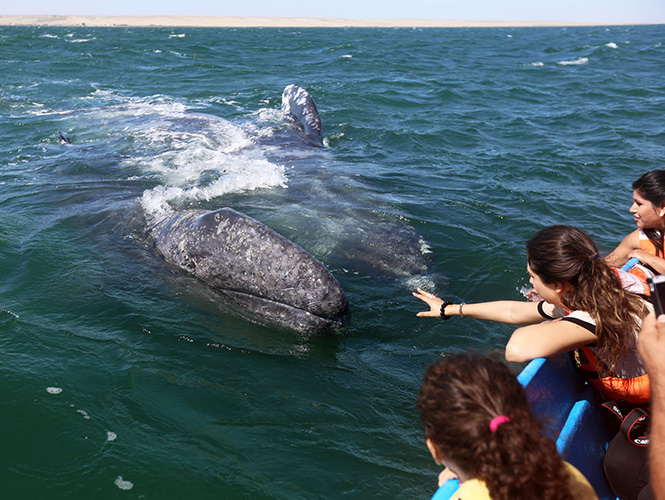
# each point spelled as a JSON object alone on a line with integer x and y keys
{"x": 270, "y": 22}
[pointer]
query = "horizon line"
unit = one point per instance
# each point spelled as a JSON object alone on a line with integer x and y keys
{"x": 276, "y": 22}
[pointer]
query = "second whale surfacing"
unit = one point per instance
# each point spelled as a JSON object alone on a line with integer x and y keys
{"x": 254, "y": 268}
{"x": 297, "y": 102}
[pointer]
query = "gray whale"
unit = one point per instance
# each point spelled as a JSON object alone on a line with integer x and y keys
{"x": 300, "y": 105}
{"x": 63, "y": 139}
{"x": 256, "y": 269}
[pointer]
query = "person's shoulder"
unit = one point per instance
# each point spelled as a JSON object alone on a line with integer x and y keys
{"x": 472, "y": 489}
{"x": 578, "y": 485}
{"x": 550, "y": 311}
{"x": 633, "y": 238}
{"x": 579, "y": 316}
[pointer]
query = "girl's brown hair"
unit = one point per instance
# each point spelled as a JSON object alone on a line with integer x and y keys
{"x": 567, "y": 254}
{"x": 459, "y": 396}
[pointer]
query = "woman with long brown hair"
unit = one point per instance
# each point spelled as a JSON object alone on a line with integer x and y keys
{"x": 586, "y": 304}
{"x": 648, "y": 208}
{"x": 479, "y": 424}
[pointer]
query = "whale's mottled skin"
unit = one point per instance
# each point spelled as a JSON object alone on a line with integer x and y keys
{"x": 255, "y": 268}
{"x": 297, "y": 102}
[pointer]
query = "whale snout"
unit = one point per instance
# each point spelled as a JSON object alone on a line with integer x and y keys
{"x": 259, "y": 272}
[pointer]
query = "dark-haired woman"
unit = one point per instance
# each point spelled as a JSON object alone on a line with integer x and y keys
{"x": 479, "y": 424}
{"x": 588, "y": 308}
{"x": 646, "y": 242}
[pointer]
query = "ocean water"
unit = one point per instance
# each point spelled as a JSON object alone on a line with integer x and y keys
{"x": 121, "y": 377}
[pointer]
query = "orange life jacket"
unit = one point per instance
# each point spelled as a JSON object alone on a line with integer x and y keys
{"x": 636, "y": 390}
{"x": 647, "y": 245}
{"x": 640, "y": 270}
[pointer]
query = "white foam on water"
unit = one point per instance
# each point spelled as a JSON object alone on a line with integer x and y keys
{"x": 187, "y": 156}
{"x": 122, "y": 484}
{"x": 158, "y": 106}
{"x": 225, "y": 100}
{"x": 576, "y": 62}
{"x": 425, "y": 247}
{"x": 202, "y": 168}
{"x": 612, "y": 45}
{"x": 111, "y": 436}
{"x": 243, "y": 175}
{"x": 270, "y": 116}
{"x": 97, "y": 93}
{"x": 191, "y": 156}
{"x": 529, "y": 293}
{"x": 54, "y": 390}
{"x": 40, "y": 110}
{"x": 196, "y": 157}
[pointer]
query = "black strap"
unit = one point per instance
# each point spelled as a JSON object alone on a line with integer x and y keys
{"x": 614, "y": 409}
{"x": 634, "y": 427}
{"x": 633, "y": 424}
{"x": 542, "y": 312}
{"x": 580, "y": 322}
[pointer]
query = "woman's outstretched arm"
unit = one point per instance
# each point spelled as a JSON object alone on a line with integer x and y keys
{"x": 512, "y": 312}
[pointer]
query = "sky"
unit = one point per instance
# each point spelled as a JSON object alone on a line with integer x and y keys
{"x": 585, "y": 11}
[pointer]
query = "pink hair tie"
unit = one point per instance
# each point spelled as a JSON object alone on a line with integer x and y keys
{"x": 497, "y": 421}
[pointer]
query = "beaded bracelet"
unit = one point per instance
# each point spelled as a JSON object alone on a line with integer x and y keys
{"x": 442, "y": 312}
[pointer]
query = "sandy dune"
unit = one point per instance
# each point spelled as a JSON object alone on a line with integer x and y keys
{"x": 256, "y": 22}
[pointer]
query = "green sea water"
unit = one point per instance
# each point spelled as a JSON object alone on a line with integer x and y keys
{"x": 121, "y": 377}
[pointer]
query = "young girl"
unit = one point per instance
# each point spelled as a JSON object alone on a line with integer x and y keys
{"x": 646, "y": 242}
{"x": 588, "y": 307}
{"x": 479, "y": 424}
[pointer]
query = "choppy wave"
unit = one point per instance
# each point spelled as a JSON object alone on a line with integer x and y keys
{"x": 574, "y": 62}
